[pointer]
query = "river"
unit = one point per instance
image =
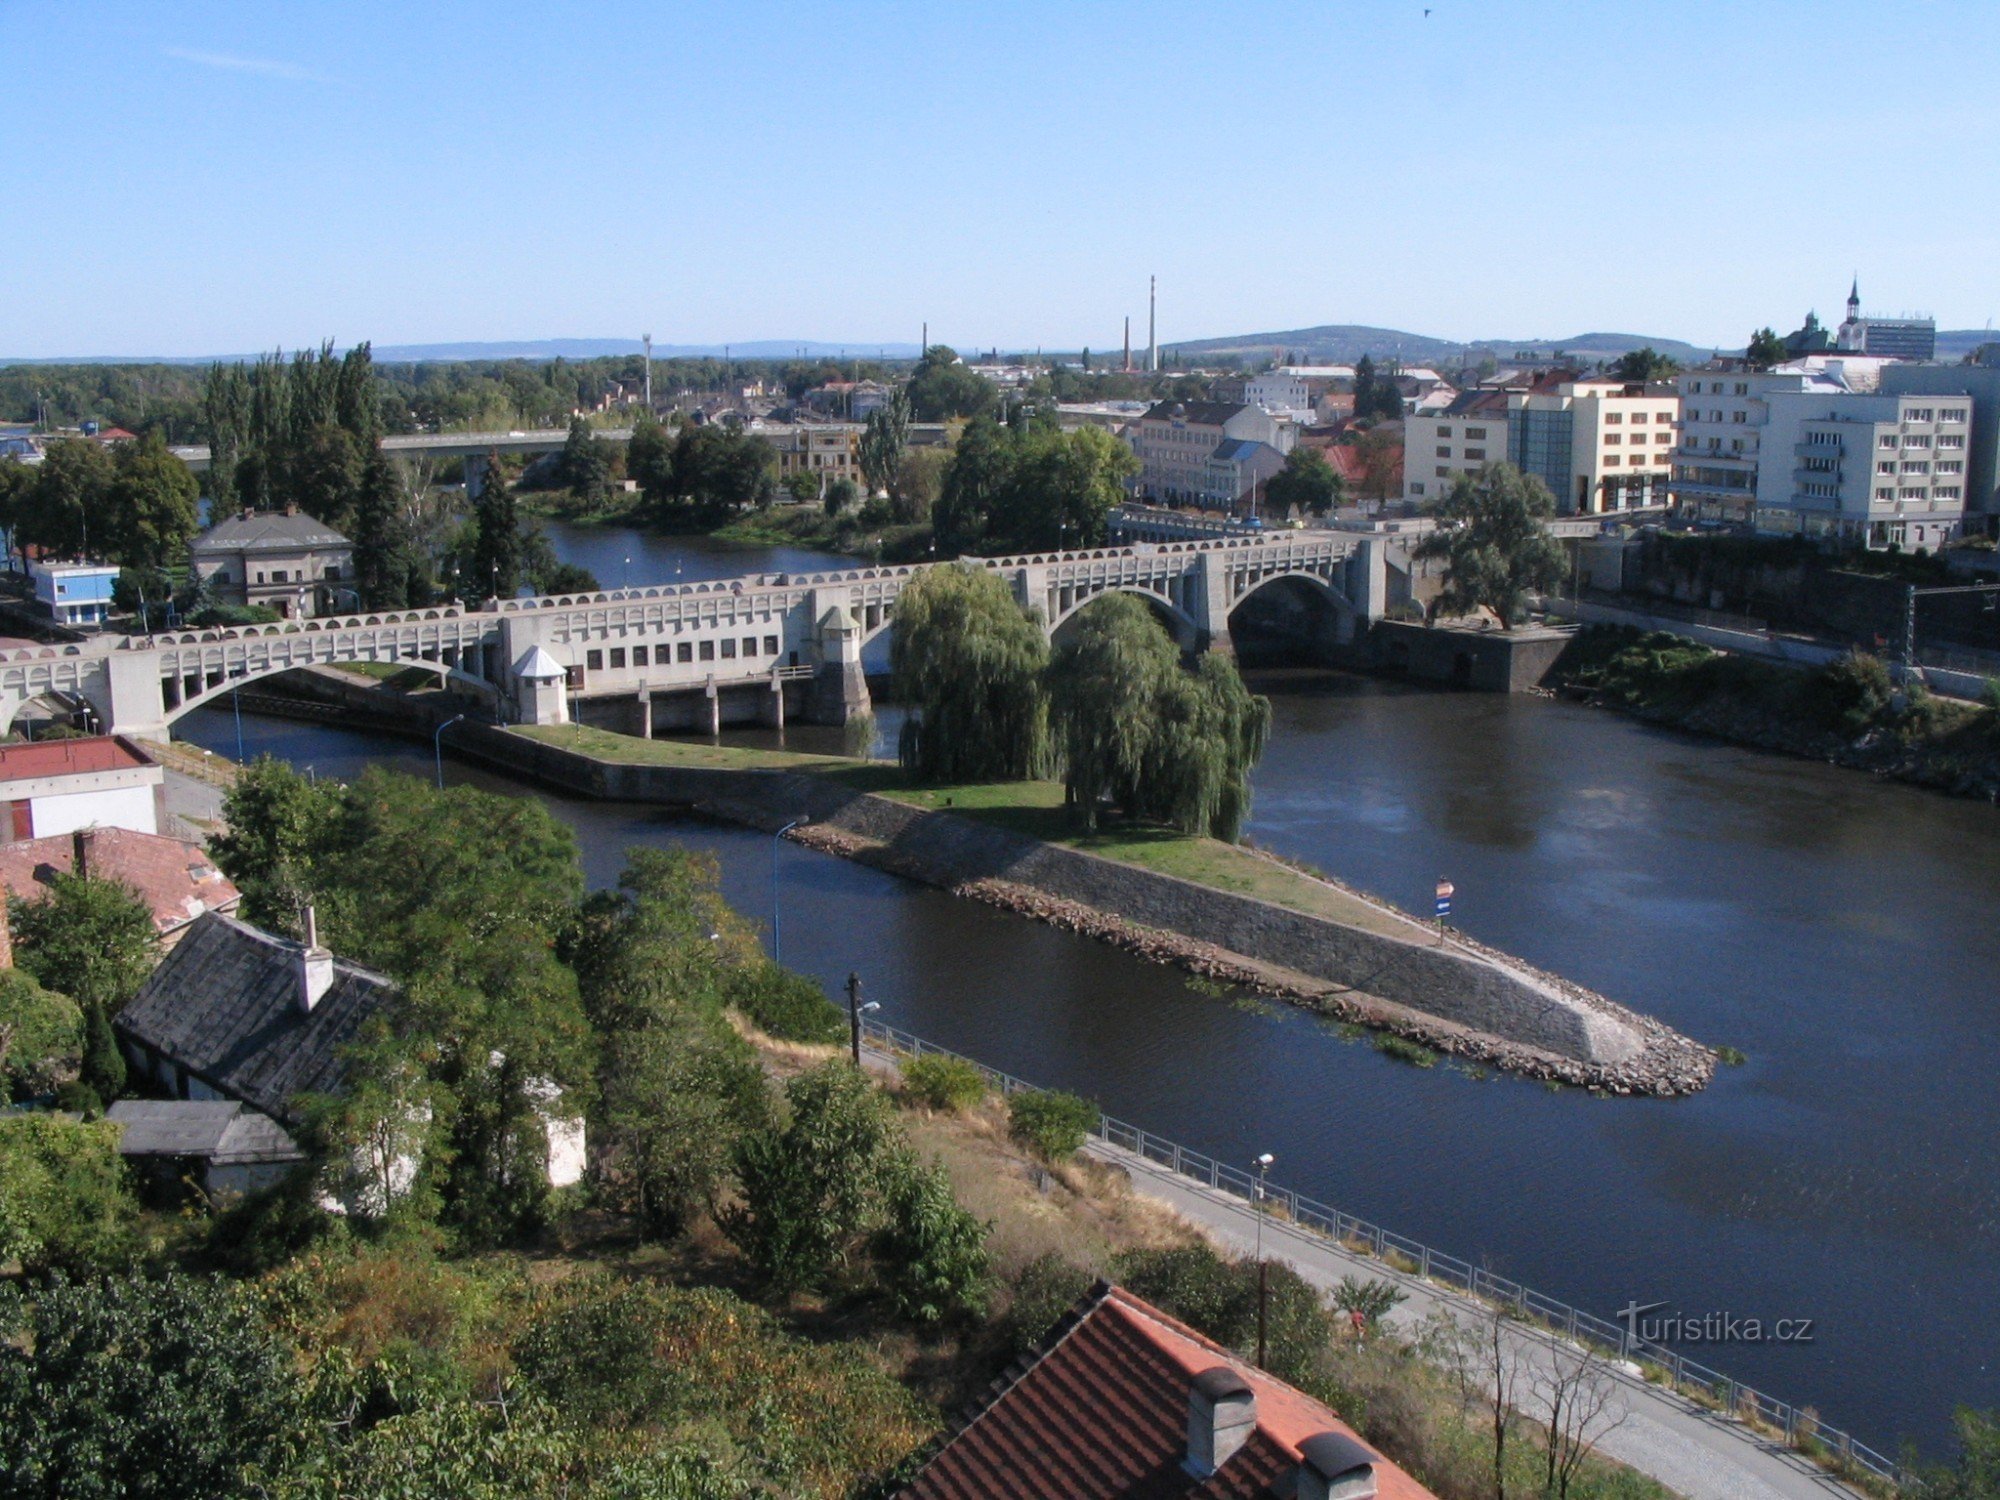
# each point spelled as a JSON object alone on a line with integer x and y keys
{"x": 1838, "y": 931}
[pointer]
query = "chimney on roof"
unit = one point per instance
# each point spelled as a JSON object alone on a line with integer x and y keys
{"x": 249, "y": 511}
{"x": 315, "y": 966}
{"x": 1222, "y": 1413}
{"x": 79, "y": 843}
{"x": 1333, "y": 1466}
{"x": 291, "y": 507}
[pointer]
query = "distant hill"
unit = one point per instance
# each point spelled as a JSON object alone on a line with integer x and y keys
{"x": 536, "y": 349}
{"x": 1959, "y": 342}
{"x": 1343, "y": 343}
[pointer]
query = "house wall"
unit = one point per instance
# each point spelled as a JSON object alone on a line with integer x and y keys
{"x": 109, "y": 807}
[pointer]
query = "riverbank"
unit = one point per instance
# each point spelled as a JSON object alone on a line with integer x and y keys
{"x": 1227, "y": 913}
{"x": 1848, "y": 713}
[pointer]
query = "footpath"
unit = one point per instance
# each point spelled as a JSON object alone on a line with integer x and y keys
{"x": 1697, "y": 1453}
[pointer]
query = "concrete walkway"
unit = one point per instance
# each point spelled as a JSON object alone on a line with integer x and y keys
{"x": 1695, "y": 1452}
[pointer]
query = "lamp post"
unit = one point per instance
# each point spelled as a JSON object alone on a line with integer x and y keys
{"x": 1263, "y": 1283}
{"x": 236, "y": 702}
{"x": 777, "y": 931}
{"x": 855, "y": 1011}
{"x": 437, "y": 746}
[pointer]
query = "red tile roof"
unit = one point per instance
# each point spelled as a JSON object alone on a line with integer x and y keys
{"x": 69, "y": 758}
{"x": 1101, "y": 1413}
{"x": 175, "y": 879}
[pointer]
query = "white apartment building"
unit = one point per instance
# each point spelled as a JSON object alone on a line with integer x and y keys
{"x": 1601, "y": 446}
{"x": 1468, "y": 434}
{"x": 1877, "y": 469}
{"x": 1280, "y": 393}
{"x": 1724, "y": 414}
{"x": 1206, "y": 453}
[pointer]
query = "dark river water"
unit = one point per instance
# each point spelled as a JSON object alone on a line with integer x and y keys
{"x": 1839, "y": 932}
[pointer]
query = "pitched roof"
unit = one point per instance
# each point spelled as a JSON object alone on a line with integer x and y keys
{"x": 175, "y": 878}
{"x": 223, "y": 1131}
{"x": 224, "y": 1005}
{"x": 536, "y": 665}
{"x": 1100, "y": 1412}
{"x": 267, "y": 531}
{"x": 1195, "y": 413}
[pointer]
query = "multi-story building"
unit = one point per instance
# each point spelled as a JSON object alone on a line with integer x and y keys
{"x": 1601, "y": 446}
{"x": 1891, "y": 338}
{"x": 1470, "y": 433}
{"x": 1980, "y": 382}
{"x": 1206, "y": 453}
{"x": 1876, "y": 469}
{"x": 74, "y": 592}
{"x": 1723, "y": 416}
{"x": 281, "y": 560}
{"x": 826, "y": 450}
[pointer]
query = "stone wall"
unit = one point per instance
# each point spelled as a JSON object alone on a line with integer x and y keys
{"x": 1489, "y": 661}
{"x": 1448, "y": 983}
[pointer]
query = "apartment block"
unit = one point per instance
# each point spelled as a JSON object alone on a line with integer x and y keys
{"x": 1468, "y": 434}
{"x": 1206, "y": 453}
{"x": 1601, "y": 446}
{"x": 1876, "y": 469}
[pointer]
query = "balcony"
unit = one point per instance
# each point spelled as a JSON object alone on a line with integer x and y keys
{"x": 1834, "y": 449}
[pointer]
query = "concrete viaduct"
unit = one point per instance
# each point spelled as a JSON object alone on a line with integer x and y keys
{"x": 764, "y": 644}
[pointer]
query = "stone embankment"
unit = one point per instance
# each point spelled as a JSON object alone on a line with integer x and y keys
{"x": 1389, "y": 973}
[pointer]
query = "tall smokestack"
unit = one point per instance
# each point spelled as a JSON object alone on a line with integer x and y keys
{"x": 1128, "y": 343}
{"x": 924, "y": 346}
{"x": 648, "y": 339}
{"x": 1152, "y": 323}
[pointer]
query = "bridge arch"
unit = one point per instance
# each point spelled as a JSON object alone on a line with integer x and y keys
{"x": 1296, "y": 614}
{"x": 1178, "y": 622}
{"x": 211, "y": 693}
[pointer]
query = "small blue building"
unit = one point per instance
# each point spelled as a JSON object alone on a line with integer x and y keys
{"x": 75, "y": 593}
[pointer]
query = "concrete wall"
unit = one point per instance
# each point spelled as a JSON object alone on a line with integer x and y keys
{"x": 1490, "y": 661}
{"x": 1446, "y": 983}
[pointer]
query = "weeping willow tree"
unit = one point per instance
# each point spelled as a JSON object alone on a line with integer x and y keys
{"x": 1139, "y": 730}
{"x": 968, "y": 660}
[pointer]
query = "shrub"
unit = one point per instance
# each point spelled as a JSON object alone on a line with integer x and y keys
{"x": 1372, "y": 1299}
{"x": 787, "y": 1005}
{"x": 1404, "y": 1050}
{"x": 1218, "y": 1296}
{"x": 931, "y": 1252}
{"x": 1051, "y": 1123}
{"x": 943, "y": 1083}
{"x": 1989, "y": 695}
{"x": 1047, "y": 1287}
{"x": 63, "y": 1201}
{"x": 1851, "y": 693}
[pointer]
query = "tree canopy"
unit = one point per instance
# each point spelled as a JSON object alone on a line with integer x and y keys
{"x": 1766, "y": 348}
{"x": 968, "y": 660}
{"x": 1029, "y": 486}
{"x": 1639, "y": 366}
{"x": 1494, "y": 544}
{"x": 1307, "y": 482}
{"x": 943, "y": 387}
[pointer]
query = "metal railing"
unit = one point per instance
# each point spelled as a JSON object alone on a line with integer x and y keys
{"x": 1798, "y": 1427}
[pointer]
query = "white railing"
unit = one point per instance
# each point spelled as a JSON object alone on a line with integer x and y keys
{"x": 1799, "y": 1427}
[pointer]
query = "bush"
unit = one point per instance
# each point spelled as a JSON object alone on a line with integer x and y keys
{"x": 1047, "y": 1288}
{"x": 1218, "y": 1296}
{"x": 1051, "y": 1123}
{"x": 1989, "y": 695}
{"x": 1416, "y": 1054}
{"x": 1852, "y": 692}
{"x": 784, "y": 1004}
{"x": 63, "y": 1201}
{"x": 233, "y": 614}
{"x": 943, "y": 1083}
{"x": 931, "y": 1252}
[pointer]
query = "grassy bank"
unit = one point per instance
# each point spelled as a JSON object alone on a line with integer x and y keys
{"x": 1034, "y": 809}
{"x": 859, "y": 534}
{"x": 1849, "y": 712}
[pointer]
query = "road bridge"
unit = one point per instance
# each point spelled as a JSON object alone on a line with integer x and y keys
{"x": 799, "y": 636}
{"x": 462, "y": 445}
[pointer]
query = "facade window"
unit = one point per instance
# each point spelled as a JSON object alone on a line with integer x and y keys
{"x": 1951, "y": 440}
{"x": 1694, "y": 387}
{"x": 594, "y": 660}
{"x": 708, "y": 650}
{"x": 1742, "y": 387}
{"x": 1951, "y": 466}
{"x": 260, "y": 578}
{"x": 638, "y": 656}
{"x": 1612, "y": 418}
{"x": 1951, "y": 414}
{"x": 1886, "y": 493}
{"x": 1416, "y": 487}
{"x": 1611, "y": 438}
{"x": 1668, "y": 437}
{"x": 1916, "y": 466}
{"x": 1444, "y": 451}
{"x": 1886, "y": 466}
{"x": 1946, "y": 492}
{"x": 1475, "y": 434}
{"x": 1610, "y": 460}
{"x": 729, "y": 648}
{"x": 1443, "y": 431}
{"x": 749, "y": 645}
{"x": 1475, "y": 455}
{"x": 617, "y": 658}
{"x": 1739, "y": 416}
{"x": 1443, "y": 472}
{"x": 1715, "y": 416}
{"x": 1889, "y": 440}
{"x": 770, "y": 645}
{"x": 1920, "y": 414}
{"x": 1917, "y": 440}
{"x": 684, "y": 651}
{"x": 1912, "y": 493}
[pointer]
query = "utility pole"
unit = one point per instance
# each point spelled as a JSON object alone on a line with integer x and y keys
{"x": 1263, "y": 1274}
{"x": 1153, "y": 324}
{"x": 1128, "y": 343}
{"x": 855, "y": 1011}
{"x": 648, "y": 340}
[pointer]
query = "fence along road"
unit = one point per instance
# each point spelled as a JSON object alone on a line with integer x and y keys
{"x": 1697, "y": 1431}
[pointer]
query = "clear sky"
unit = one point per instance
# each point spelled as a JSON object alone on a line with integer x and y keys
{"x": 201, "y": 178}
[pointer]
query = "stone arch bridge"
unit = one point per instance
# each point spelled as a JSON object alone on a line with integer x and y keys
{"x": 787, "y": 637}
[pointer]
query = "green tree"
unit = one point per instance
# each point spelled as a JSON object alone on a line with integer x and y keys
{"x": 92, "y": 939}
{"x": 1307, "y": 482}
{"x": 70, "y": 490}
{"x": 883, "y": 442}
{"x": 1063, "y": 489}
{"x": 932, "y": 1253}
{"x": 981, "y": 468}
{"x": 1975, "y": 1473}
{"x": 17, "y": 486}
{"x": 803, "y": 486}
{"x": 585, "y": 467}
{"x": 717, "y": 472}
{"x": 41, "y": 1036}
{"x": 323, "y": 474}
{"x": 842, "y": 496}
{"x": 649, "y": 461}
{"x": 943, "y": 387}
{"x": 383, "y": 545}
{"x": 167, "y": 1388}
{"x": 63, "y": 1201}
{"x": 1638, "y": 366}
{"x": 276, "y": 824}
{"x": 969, "y": 660}
{"x": 1494, "y": 544}
{"x": 919, "y": 481}
{"x": 1051, "y": 1123}
{"x": 1766, "y": 349}
{"x": 494, "y": 566}
{"x": 811, "y": 1184}
{"x": 151, "y": 505}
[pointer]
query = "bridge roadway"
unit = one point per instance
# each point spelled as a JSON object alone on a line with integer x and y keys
{"x": 472, "y": 445}
{"x": 537, "y": 660}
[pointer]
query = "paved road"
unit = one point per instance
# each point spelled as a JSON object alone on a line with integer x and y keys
{"x": 1692, "y": 1451}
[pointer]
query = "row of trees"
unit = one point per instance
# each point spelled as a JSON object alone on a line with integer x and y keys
{"x": 1029, "y": 486}
{"x": 1112, "y": 710}
{"x": 131, "y": 503}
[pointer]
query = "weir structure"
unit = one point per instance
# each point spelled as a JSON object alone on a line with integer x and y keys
{"x": 688, "y": 654}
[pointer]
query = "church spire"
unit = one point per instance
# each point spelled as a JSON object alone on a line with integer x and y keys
{"x": 1854, "y": 297}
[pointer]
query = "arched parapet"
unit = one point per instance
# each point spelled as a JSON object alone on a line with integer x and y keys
{"x": 232, "y": 682}
{"x": 1184, "y": 628}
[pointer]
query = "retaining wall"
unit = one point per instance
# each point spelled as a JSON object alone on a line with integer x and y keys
{"x": 945, "y": 850}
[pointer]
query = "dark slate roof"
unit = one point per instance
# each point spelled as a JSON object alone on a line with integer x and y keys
{"x": 1236, "y": 450}
{"x": 267, "y": 531}
{"x": 1100, "y": 1412}
{"x": 1195, "y": 413}
{"x": 224, "y": 1006}
{"x": 222, "y": 1131}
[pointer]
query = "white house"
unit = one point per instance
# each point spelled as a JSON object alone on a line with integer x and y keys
{"x": 56, "y": 786}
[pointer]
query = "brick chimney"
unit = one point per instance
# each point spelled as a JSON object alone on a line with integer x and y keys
{"x": 79, "y": 846}
{"x": 315, "y": 966}
{"x": 1334, "y": 1466}
{"x": 1222, "y": 1413}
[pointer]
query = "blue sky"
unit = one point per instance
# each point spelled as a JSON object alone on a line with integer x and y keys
{"x": 199, "y": 178}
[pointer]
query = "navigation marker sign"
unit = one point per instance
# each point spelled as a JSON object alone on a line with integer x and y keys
{"x": 1444, "y": 894}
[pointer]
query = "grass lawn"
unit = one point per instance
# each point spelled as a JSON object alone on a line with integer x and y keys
{"x": 1033, "y": 809}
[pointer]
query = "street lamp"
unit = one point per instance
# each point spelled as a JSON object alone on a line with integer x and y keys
{"x": 1263, "y": 1284}
{"x": 777, "y": 932}
{"x": 437, "y": 746}
{"x": 855, "y": 1011}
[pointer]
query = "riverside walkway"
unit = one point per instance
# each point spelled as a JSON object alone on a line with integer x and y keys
{"x": 1698, "y": 1453}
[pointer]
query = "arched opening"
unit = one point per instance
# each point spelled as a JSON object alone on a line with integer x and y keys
{"x": 1183, "y": 630}
{"x": 1293, "y": 620}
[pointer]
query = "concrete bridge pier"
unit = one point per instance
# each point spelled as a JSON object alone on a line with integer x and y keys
{"x": 774, "y": 706}
{"x": 475, "y": 474}
{"x": 645, "y": 713}
{"x": 714, "y": 698}
{"x": 1209, "y": 604}
{"x": 839, "y": 688}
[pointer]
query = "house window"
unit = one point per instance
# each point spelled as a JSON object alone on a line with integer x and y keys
{"x": 1886, "y": 466}
{"x": 1475, "y": 455}
{"x": 1919, "y": 414}
{"x": 1888, "y": 440}
{"x": 1443, "y": 472}
{"x": 638, "y": 656}
{"x": 1951, "y": 466}
{"x": 1416, "y": 487}
{"x": 708, "y": 650}
{"x": 749, "y": 645}
{"x": 1443, "y": 431}
{"x": 260, "y": 578}
{"x": 1694, "y": 387}
{"x": 1612, "y": 438}
{"x": 1916, "y": 466}
{"x": 1886, "y": 493}
{"x": 684, "y": 651}
{"x": 617, "y": 658}
{"x": 1946, "y": 492}
{"x": 1613, "y": 418}
{"x": 729, "y": 648}
{"x": 1951, "y": 440}
{"x": 594, "y": 660}
{"x": 1742, "y": 387}
{"x": 1444, "y": 452}
{"x": 1739, "y": 416}
{"x": 1911, "y": 493}
{"x": 770, "y": 645}
{"x": 1951, "y": 414}
{"x": 1610, "y": 460}
{"x": 1476, "y": 434}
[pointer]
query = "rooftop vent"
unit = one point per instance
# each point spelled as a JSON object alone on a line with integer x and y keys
{"x": 1222, "y": 1413}
{"x": 315, "y": 966}
{"x": 1334, "y": 1466}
